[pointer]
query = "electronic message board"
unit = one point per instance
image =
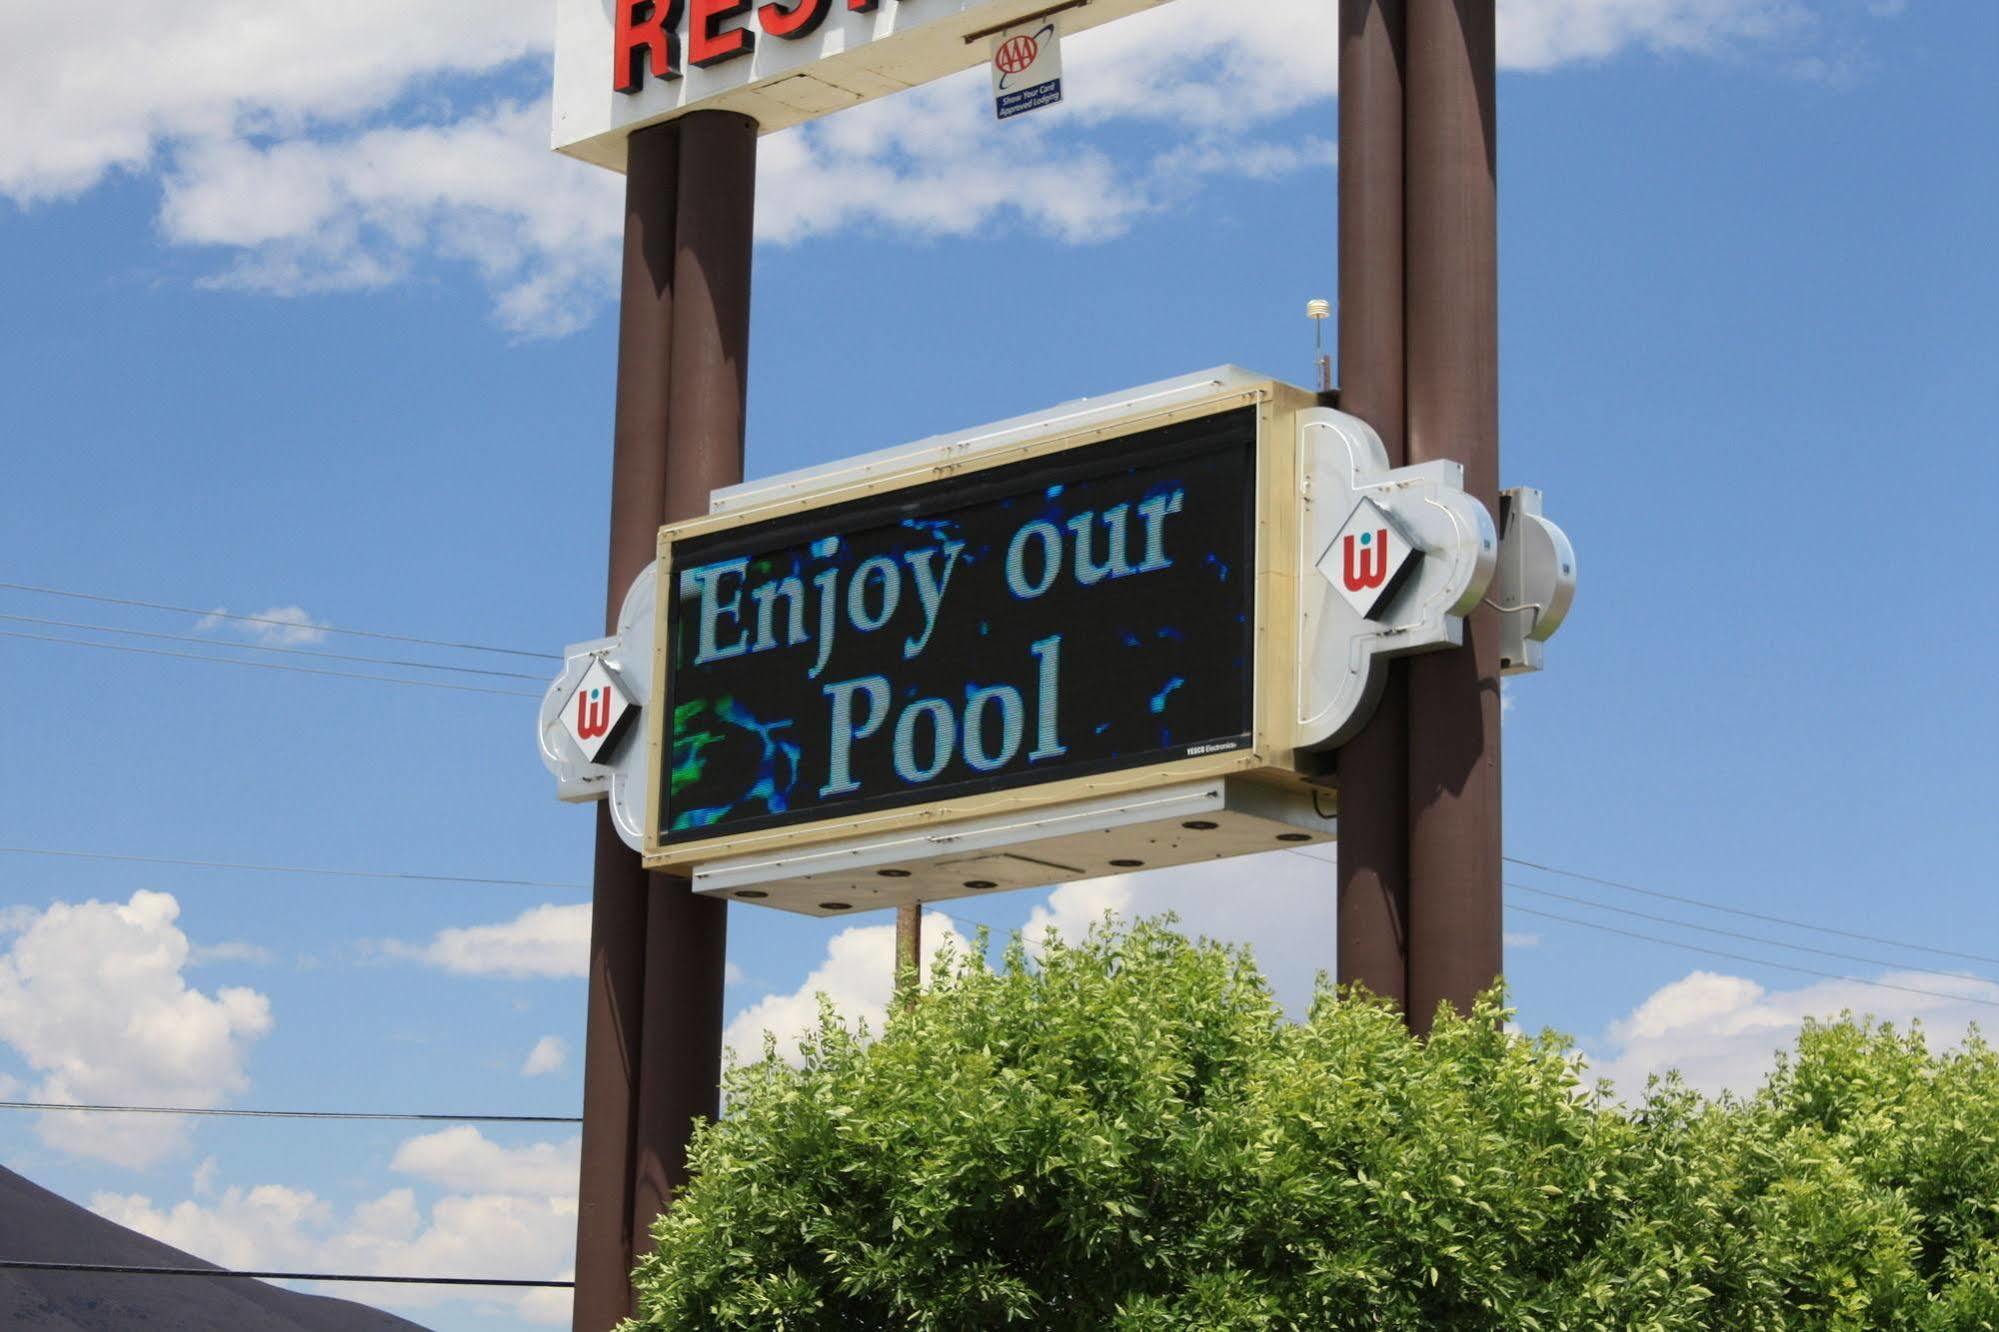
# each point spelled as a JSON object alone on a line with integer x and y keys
{"x": 1081, "y": 612}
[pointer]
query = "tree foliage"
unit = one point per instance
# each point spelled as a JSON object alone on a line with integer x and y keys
{"x": 1126, "y": 1133}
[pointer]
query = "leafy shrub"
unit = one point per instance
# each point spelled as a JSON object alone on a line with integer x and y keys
{"x": 1127, "y": 1134}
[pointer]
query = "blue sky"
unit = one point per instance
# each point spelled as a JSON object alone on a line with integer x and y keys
{"x": 314, "y": 325}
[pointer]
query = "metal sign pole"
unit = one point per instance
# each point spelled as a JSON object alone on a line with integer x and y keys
{"x": 1452, "y": 265}
{"x": 680, "y": 1062}
{"x": 652, "y": 1058}
{"x": 604, "y": 1233}
{"x": 1374, "y": 765}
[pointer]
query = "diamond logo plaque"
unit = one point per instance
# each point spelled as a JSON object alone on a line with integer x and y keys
{"x": 596, "y": 716}
{"x": 1369, "y": 559}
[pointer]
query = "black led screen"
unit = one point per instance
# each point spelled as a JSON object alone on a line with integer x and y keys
{"x": 1074, "y": 614}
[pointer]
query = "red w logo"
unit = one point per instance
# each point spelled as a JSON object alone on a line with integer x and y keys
{"x": 1367, "y": 560}
{"x": 593, "y": 721}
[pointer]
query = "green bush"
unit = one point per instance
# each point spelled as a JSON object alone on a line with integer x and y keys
{"x": 1127, "y": 1134}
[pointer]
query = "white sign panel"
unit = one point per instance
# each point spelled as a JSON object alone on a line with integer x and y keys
{"x": 1027, "y": 68}
{"x": 1403, "y": 555}
{"x": 591, "y": 743}
{"x": 621, "y": 65}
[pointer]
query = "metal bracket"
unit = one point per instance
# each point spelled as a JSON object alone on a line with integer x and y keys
{"x": 1536, "y": 581}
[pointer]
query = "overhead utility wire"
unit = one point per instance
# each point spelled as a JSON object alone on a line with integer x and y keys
{"x": 1757, "y": 961}
{"x": 1750, "y": 915}
{"x": 116, "y": 1269}
{"x": 361, "y": 1116}
{"x": 265, "y": 647}
{"x": 291, "y": 869}
{"x": 1734, "y": 934}
{"x": 282, "y": 624}
{"x": 267, "y": 665}
{"x": 1733, "y": 911}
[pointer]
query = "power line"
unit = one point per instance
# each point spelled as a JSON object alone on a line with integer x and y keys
{"x": 364, "y": 1116}
{"x": 1731, "y": 934}
{"x": 1756, "y": 961}
{"x": 118, "y": 1269}
{"x": 266, "y": 665}
{"x": 292, "y": 869}
{"x": 264, "y": 647}
{"x": 1733, "y": 911}
{"x": 1749, "y": 915}
{"x": 282, "y": 624}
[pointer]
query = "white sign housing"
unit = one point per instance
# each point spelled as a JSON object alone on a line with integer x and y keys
{"x": 621, "y": 65}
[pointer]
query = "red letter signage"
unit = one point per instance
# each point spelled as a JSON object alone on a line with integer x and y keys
{"x": 653, "y": 39}
{"x": 797, "y": 19}
{"x": 707, "y": 43}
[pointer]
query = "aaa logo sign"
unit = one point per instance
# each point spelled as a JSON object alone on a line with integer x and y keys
{"x": 1027, "y": 69}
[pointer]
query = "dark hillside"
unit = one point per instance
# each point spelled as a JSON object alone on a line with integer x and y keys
{"x": 37, "y": 1226}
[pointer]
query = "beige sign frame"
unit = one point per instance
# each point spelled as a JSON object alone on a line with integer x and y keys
{"x": 1270, "y": 753}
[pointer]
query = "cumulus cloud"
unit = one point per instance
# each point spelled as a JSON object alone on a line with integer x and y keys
{"x": 82, "y": 98}
{"x": 230, "y": 950}
{"x": 1723, "y": 1032}
{"x": 276, "y": 626}
{"x": 857, "y": 974}
{"x": 353, "y": 212}
{"x": 94, "y": 999}
{"x": 1543, "y": 34}
{"x": 546, "y": 942}
{"x": 348, "y": 169}
{"x": 1284, "y": 905}
{"x": 550, "y": 1053}
{"x": 464, "y": 1160}
{"x": 506, "y": 1211}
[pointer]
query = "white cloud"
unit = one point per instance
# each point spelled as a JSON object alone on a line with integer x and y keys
{"x": 857, "y": 974}
{"x": 506, "y": 1212}
{"x": 550, "y": 942}
{"x": 278, "y": 626}
{"x": 550, "y": 1053}
{"x": 82, "y": 96}
{"x": 356, "y": 212}
{"x": 93, "y": 998}
{"x": 1723, "y": 1032}
{"x": 329, "y": 172}
{"x": 464, "y": 1160}
{"x": 1284, "y": 905}
{"x": 1522, "y": 939}
{"x": 1542, "y": 34}
{"x": 1285, "y": 910}
{"x": 231, "y": 950}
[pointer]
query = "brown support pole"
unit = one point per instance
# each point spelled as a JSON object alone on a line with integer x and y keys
{"x": 909, "y": 944}
{"x": 1455, "y": 939}
{"x": 604, "y": 1234}
{"x": 686, "y": 937}
{"x": 1373, "y": 766}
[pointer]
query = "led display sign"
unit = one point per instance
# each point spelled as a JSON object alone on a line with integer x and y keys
{"x": 1082, "y": 612}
